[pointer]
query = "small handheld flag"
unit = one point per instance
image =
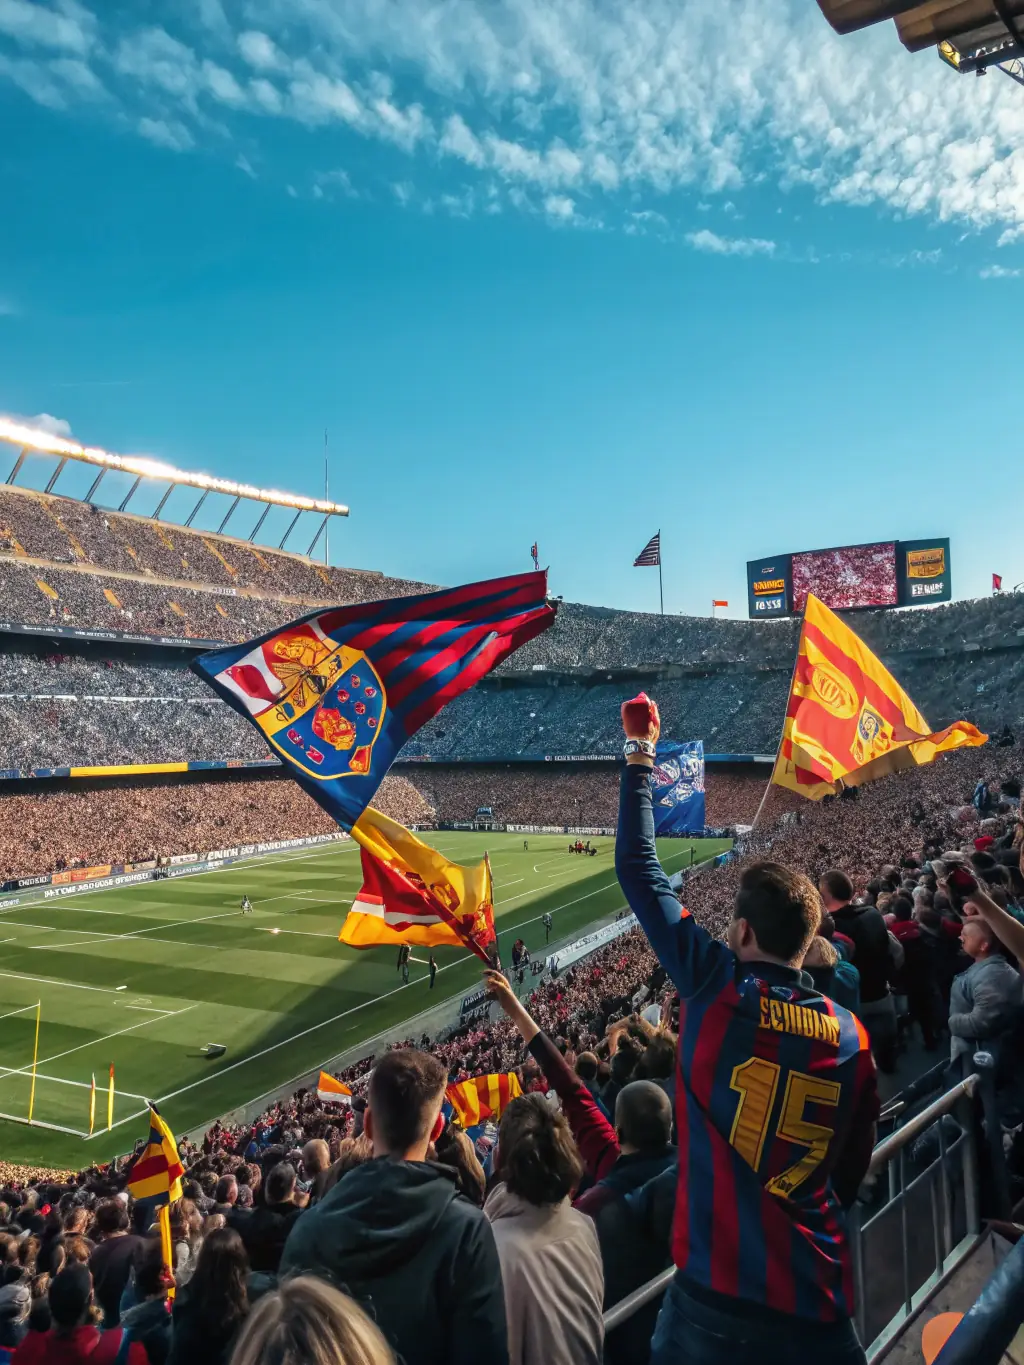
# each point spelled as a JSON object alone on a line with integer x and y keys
{"x": 337, "y": 693}
{"x": 332, "y": 1091}
{"x": 997, "y": 582}
{"x": 157, "y": 1170}
{"x": 848, "y": 721}
{"x": 483, "y": 1097}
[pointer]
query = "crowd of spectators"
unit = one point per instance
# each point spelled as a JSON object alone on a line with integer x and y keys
{"x": 132, "y": 820}
{"x": 296, "y": 1191}
{"x": 67, "y": 531}
{"x": 49, "y": 831}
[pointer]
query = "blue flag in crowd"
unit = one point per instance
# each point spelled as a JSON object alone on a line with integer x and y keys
{"x": 678, "y": 788}
{"x": 337, "y": 693}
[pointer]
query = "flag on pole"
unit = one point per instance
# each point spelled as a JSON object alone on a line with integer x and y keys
{"x": 110, "y": 1099}
{"x": 718, "y": 602}
{"x": 848, "y": 720}
{"x": 92, "y": 1104}
{"x": 157, "y": 1170}
{"x": 650, "y": 556}
{"x": 997, "y": 582}
{"x": 412, "y": 894}
{"x": 337, "y": 693}
{"x": 332, "y": 1091}
{"x": 536, "y": 555}
{"x": 483, "y": 1097}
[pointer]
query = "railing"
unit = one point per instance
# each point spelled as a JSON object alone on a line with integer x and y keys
{"x": 895, "y": 1267}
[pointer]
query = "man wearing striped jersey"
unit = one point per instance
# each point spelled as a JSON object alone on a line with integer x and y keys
{"x": 776, "y": 1104}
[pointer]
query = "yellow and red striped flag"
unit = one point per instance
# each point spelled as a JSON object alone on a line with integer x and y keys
{"x": 411, "y": 894}
{"x": 157, "y": 1171}
{"x": 110, "y": 1099}
{"x": 848, "y": 720}
{"x": 483, "y": 1097}
{"x": 331, "y": 1090}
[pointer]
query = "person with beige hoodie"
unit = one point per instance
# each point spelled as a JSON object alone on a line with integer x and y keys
{"x": 549, "y": 1253}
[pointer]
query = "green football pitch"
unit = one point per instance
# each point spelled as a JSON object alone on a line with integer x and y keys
{"x": 143, "y": 977}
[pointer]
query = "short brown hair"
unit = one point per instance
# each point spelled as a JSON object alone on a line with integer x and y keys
{"x": 781, "y": 907}
{"x": 837, "y": 884}
{"x": 537, "y": 1154}
{"x": 405, "y": 1097}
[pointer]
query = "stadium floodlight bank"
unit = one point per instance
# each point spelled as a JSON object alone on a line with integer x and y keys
{"x": 30, "y": 440}
{"x": 969, "y": 35}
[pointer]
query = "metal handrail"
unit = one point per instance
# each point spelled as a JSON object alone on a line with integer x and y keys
{"x": 895, "y": 1142}
{"x": 882, "y": 1154}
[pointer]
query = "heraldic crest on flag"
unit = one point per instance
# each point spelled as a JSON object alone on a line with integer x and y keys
{"x": 848, "y": 721}
{"x": 337, "y": 693}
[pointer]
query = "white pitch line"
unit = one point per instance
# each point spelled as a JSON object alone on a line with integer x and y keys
{"x": 93, "y": 1042}
{"x": 50, "y": 981}
{"x": 149, "y": 1009}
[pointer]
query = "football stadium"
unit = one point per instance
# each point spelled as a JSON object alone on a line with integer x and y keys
{"x": 397, "y": 971}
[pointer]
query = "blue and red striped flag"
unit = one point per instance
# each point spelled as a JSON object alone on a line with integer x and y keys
{"x": 337, "y": 693}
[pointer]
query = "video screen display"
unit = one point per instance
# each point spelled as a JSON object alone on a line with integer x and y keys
{"x": 847, "y": 578}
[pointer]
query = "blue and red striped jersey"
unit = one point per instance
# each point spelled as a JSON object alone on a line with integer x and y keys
{"x": 776, "y": 1104}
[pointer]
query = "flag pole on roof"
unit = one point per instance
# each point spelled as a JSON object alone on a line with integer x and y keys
{"x": 648, "y": 557}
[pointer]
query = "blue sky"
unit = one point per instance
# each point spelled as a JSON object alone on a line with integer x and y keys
{"x": 546, "y": 269}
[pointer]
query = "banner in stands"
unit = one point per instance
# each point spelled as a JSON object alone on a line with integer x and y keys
{"x": 581, "y": 758}
{"x": 678, "y": 788}
{"x": 566, "y": 956}
{"x": 606, "y": 830}
{"x": 73, "y": 633}
{"x": 138, "y": 769}
{"x": 127, "y": 874}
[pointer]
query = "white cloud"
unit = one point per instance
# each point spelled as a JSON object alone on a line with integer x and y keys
{"x": 69, "y": 28}
{"x": 339, "y": 180}
{"x": 42, "y": 421}
{"x": 564, "y": 98}
{"x": 403, "y": 192}
{"x": 705, "y": 240}
{"x": 260, "y": 51}
{"x": 166, "y": 133}
{"x": 999, "y": 272}
{"x": 243, "y": 164}
{"x": 559, "y": 206}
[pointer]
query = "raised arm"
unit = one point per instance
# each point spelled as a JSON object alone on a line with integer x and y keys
{"x": 595, "y": 1136}
{"x": 688, "y": 953}
{"x": 1009, "y": 931}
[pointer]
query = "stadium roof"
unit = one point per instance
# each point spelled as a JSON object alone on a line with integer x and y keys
{"x": 971, "y": 35}
{"x": 32, "y": 440}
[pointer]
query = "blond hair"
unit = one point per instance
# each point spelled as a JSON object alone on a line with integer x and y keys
{"x": 306, "y": 1321}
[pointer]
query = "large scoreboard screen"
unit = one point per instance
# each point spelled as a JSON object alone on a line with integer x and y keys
{"x": 887, "y": 573}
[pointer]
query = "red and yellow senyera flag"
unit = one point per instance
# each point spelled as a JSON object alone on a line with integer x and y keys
{"x": 411, "y": 894}
{"x": 483, "y": 1097}
{"x": 848, "y": 720}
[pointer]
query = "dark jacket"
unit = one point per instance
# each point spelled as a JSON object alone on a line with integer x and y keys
{"x": 195, "y": 1340}
{"x": 629, "y": 1256}
{"x": 840, "y": 983}
{"x": 111, "y": 1265}
{"x": 867, "y": 928}
{"x": 420, "y": 1258}
{"x": 264, "y": 1230}
{"x": 149, "y": 1324}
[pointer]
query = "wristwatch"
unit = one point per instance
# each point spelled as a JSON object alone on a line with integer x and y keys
{"x": 638, "y": 746}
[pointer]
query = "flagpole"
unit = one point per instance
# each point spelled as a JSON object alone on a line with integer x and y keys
{"x": 661, "y": 590}
{"x": 782, "y": 734}
{"x": 327, "y": 528}
{"x": 35, "y": 1058}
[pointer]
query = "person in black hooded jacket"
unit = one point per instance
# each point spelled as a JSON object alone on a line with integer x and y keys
{"x": 397, "y": 1236}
